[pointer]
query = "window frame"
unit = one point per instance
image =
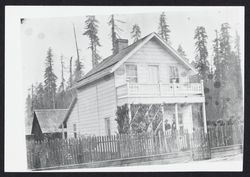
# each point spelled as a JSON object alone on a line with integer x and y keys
{"x": 174, "y": 75}
{"x": 128, "y": 78}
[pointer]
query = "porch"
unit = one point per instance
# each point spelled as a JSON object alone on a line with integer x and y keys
{"x": 166, "y": 117}
{"x": 159, "y": 90}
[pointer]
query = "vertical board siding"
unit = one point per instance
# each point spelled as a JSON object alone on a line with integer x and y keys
{"x": 107, "y": 104}
{"x": 95, "y": 102}
{"x": 153, "y": 53}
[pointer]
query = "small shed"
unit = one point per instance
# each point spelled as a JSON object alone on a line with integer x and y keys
{"x": 46, "y": 123}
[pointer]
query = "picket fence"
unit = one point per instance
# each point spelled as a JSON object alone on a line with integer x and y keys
{"x": 62, "y": 152}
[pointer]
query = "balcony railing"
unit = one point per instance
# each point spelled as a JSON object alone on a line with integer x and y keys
{"x": 174, "y": 89}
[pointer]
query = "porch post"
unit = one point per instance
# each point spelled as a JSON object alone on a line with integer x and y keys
{"x": 204, "y": 117}
{"x": 63, "y": 131}
{"x": 129, "y": 114}
{"x": 176, "y": 116}
{"x": 163, "y": 119}
{"x": 202, "y": 88}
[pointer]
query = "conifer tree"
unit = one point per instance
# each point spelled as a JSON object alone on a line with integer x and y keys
{"x": 78, "y": 73}
{"x": 217, "y": 61}
{"x": 50, "y": 81}
{"x": 228, "y": 97}
{"x": 181, "y": 52}
{"x": 202, "y": 64}
{"x": 114, "y": 31}
{"x": 91, "y": 30}
{"x": 136, "y": 32}
{"x": 238, "y": 64}
{"x": 62, "y": 85}
{"x": 164, "y": 28}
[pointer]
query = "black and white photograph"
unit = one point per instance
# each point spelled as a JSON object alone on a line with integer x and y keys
{"x": 126, "y": 88}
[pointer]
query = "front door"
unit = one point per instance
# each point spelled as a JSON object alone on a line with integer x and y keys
{"x": 153, "y": 77}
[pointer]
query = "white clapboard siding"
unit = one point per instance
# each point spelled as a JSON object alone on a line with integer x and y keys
{"x": 107, "y": 104}
{"x": 73, "y": 119}
{"x": 152, "y": 53}
{"x": 120, "y": 76}
{"x": 95, "y": 103}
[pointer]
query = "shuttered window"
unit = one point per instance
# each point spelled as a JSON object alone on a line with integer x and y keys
{"x": 131, "y": 72}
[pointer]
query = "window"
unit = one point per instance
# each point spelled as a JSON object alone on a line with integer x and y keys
{"x": 131, "y": 71}
{"x": 174, "y": 74}
{"x": 107, "y": 126}
{"x": 74, "y": 129}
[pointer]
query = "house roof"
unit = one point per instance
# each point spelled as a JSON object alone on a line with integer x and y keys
{"x": 111, "y": 63}
{"x": 69, "y": 110}
{"x": 50, "y": 119}
{"x": 106, "y": 65}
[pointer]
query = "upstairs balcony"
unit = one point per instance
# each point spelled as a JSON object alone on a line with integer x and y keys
{"x": 160, "y": 90}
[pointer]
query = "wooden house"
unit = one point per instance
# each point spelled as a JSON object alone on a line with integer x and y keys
{"x": 46, "y": 123}
{"x": 148, "y": 71}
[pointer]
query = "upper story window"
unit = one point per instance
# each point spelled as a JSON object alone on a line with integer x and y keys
{"x": 131, "y": 72}
{"x": 174, "y": 74}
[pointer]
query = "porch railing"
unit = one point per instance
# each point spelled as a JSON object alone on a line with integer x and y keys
{"x": 175, "y": 89}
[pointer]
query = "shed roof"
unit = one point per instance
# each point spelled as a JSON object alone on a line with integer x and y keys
{"x": 69, "y": 110}
{"x": 50, "y": 119}
{"x": 109, "y": 64}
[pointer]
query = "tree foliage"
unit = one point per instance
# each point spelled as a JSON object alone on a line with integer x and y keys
{"x": 201, "y": 62}
{"x": 164, "y": 28}
{"x": 91, "y": 30}
{"x": 122, "y": 119}
{"x": 78, "y": 72}
{"x": 182, "y": 52}
{"x": 136, "y": 32}
{"x": 227, "y": 76}
{"x": 115, "y": 29}
{"x": 50, "y": 80}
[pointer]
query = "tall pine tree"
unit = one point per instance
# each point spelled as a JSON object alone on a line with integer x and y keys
{"x": 91, "y": 30}
{"x": 78, "y": 73}
{"x": 136, "y": 32}
{"x": 238, "y": 64}
{"x": 182, "y": 52}
{"x": 50, "y": 81}
{"x": 229, "y": 102}
{"x": 202, "y": 64}
{"x": 164, "y": 28}
{"x": 114, "y": 30}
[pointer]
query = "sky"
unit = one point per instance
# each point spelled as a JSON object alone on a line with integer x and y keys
{"x": 38, "y": 34}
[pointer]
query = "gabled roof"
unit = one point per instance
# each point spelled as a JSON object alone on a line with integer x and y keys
{"x": 71, "y": 106}
{"x": 111, "y": 63}
{"x": 50, "y": 119}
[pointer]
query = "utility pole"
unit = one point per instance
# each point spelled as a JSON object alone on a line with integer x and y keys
{"x": 62, "y": 65}
{"x": 32, "y": 97}
{"x": 70, "y": 72}
{"x": 77, "y": 50}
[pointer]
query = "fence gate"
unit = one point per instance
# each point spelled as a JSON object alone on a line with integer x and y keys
{"x": 200, "y": 146}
